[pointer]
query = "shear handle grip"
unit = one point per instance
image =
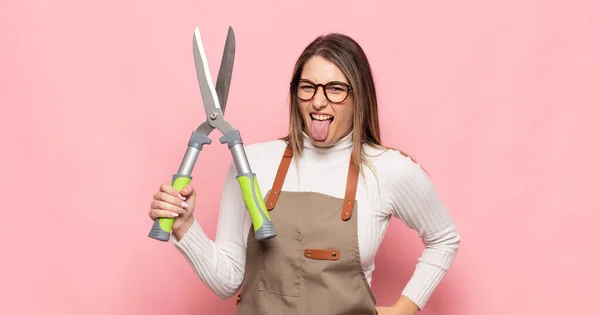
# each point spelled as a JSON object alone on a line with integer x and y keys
{"x": 263, "y": 226}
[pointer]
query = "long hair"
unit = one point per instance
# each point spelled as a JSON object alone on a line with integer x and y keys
{"x": 347, "y": 55}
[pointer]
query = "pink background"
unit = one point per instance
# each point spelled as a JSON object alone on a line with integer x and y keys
{"x": 497, "y": 99}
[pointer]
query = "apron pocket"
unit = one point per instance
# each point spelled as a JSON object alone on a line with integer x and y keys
{"x": 281, "y": 266}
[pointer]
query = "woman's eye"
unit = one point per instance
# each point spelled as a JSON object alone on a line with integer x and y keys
{"x": 336, "y": 88}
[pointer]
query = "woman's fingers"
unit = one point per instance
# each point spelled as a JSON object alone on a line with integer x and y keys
{"x": 176, "y": 201}
{"x": 160, "y": 213}
{"x": 163, "y": 205}
{"x": 167, "y": 188}
{"x": 187, "y": 191}
{"x": 168, "y": 202}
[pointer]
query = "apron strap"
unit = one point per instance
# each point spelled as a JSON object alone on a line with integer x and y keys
{"x": 350, "y": 195}
{"x": 286, "y": 159}
{"x": 351, "y": 184}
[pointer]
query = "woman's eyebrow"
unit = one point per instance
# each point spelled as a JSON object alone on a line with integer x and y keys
{"x": 335, "y": 81}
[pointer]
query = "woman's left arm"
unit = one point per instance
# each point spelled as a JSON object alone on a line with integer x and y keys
{"x": 413, "y": 199}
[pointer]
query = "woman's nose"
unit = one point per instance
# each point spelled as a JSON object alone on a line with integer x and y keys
{"x": 319, "y": 100}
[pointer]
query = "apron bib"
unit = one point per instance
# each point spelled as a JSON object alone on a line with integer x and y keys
{"x": 313, "y": 265}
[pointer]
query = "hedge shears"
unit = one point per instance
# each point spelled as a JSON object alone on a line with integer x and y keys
{"x": 215, "y": 100}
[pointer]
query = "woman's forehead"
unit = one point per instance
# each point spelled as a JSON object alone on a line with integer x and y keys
{"x": 320, "y": 70}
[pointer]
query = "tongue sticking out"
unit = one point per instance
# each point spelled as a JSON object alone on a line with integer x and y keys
{"x": 320, "y": 129}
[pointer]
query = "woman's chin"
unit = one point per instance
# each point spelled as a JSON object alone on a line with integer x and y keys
{"x": 319, "y": 143}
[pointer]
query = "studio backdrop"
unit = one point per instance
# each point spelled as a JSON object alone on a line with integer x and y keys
{"x": 498, "y": 100}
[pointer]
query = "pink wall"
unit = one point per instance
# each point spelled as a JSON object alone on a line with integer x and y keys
{"x": 498, "y": 99}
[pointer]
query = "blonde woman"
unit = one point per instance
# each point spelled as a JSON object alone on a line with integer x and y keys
{"x": 331, "y": 190}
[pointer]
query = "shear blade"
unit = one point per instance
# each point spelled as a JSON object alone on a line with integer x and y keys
{"x": 209, "y": 94}
{"x": 226, "y": 70}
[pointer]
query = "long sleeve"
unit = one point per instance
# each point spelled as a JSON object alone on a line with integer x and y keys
{"x": 414, "y": 200}
{"x": 220, "y": 263}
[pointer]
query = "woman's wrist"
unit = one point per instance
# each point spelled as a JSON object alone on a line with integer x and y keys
{"x": 182, "y": 228}
{"x": 405, "y": 306}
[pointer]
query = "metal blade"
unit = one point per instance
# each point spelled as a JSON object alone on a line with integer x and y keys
{"x": 209, "y": 95}
{"x": 226, "y": 70}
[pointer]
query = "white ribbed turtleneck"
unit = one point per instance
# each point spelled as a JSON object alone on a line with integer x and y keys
{"x": 401, "y": 189}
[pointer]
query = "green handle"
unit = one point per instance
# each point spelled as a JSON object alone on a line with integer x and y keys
{"x": 161, "y": 229}
{"x": 263, "y": 226}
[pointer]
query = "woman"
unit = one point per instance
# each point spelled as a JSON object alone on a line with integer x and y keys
{"x": 331, "y": 189}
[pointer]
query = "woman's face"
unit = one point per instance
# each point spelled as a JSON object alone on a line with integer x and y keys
{"x": 325, "y": 121}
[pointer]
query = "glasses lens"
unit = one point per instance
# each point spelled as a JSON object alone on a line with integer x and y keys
{"x": 305, "y": 91}
{"x": 336, "y": 92}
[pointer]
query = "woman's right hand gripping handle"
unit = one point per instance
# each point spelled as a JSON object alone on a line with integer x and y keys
{"x": 168, "y": 202}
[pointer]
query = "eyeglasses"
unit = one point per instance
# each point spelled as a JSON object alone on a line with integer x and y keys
{"x": 335, "y": 91}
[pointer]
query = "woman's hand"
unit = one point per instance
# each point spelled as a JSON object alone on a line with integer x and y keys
{"x": 394, "y": 310}
{"x": 404, "y": 306}
{"x": 170, "y": 203}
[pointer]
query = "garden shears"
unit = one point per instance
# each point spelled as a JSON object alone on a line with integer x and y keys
{"x": 215, "y": 101}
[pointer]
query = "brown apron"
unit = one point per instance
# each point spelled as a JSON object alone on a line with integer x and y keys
{"x": 313, "y": 265}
